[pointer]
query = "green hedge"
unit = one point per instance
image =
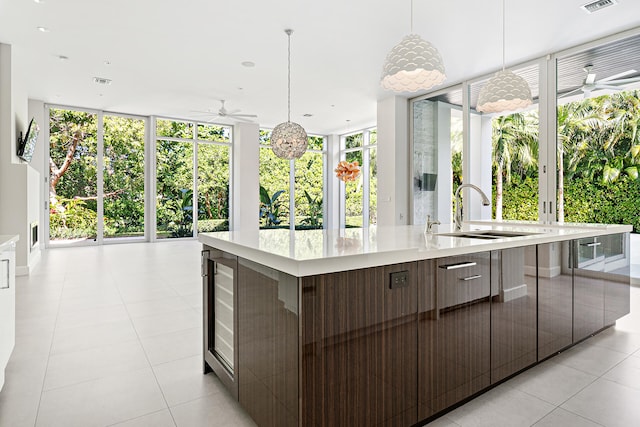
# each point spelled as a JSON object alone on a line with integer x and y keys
{"x": 586, "y": 200}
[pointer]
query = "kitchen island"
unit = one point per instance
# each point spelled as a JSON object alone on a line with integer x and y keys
{"x": 390, "y": 326}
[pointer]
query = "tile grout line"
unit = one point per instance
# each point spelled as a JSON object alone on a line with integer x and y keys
{"x": 147, "y": 357}
{"x": 55, "y": 326}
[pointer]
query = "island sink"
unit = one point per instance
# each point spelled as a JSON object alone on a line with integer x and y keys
{"x": 487, "y": 234}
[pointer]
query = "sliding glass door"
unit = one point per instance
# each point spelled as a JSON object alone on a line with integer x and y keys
{"x": 96, "y": 177}
{"x": 123, "y": 177}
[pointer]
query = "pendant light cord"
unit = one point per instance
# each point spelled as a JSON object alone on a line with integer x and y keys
{"x": 411, "y": 24}
{"x": 289, "y": 76}
{"x": 503, "y": 33}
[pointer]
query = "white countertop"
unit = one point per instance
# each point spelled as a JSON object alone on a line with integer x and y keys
{"x": 7, "y": 240}
{"x": 308, "y": 252}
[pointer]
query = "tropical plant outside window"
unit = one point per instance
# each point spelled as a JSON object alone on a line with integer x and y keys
{"x": 74, "y": 193}
{"x": 178, "y": 203}
{"x": 277, "y": 185}
{"x": 360, "y": 196}
{"x": 598, "y": 157}
{"x": 599, "y": 160}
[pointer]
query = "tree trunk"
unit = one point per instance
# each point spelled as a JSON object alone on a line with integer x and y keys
{"x": 56, "y": 173}
{"x": 499, "y": 193}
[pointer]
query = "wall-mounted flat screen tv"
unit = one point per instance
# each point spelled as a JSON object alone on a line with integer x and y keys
{"x": 27, "y": 145}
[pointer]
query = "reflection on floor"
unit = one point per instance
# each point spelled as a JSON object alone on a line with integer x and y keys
{"x": 112, "y": 336}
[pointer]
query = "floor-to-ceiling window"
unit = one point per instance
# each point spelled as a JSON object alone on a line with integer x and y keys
{"x": 192, "y": 178}
{"x": 437, "y": 155}
{"x": 96, "y": 165}
{"x": 123, "y": 176}
{"x": 292, "y": 191}
{"x": 358, "y": 204}
{"x": 598, "y": 143}
{"x": 507, "y": 143}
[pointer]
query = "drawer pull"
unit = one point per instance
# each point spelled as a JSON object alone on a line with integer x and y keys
{"x": 459, "y": 265}
{"x": 591, "y": 245}
{"x": 477, "y": 276}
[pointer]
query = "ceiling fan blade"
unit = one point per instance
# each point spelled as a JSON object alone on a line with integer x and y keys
{"x": 203, "y": 112}
{"x": 242, "y": 115}
{"x": 617, "y": 76}
{"x": 571, "y": 93}
{"x": 591, "y": 77}
{"x": 212, "y": 119}
{"x": 621, "y": 82}
{"x": 612, "y": 87}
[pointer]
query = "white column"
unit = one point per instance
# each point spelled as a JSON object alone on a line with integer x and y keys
{"x": 332, "y": 206}
{"x": 245, "y": 165}
{"x": 393, "y": 161}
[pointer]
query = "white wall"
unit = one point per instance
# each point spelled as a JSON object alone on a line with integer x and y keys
{"x": 393, "y": 161}
{"x": 19, "y": 193}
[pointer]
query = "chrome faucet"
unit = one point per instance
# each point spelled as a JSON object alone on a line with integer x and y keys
{"x": 429, "y": 225}
{"x": 458, "y": 203}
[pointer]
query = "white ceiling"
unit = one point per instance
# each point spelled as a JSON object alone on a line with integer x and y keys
{"x": 171, "y": 57}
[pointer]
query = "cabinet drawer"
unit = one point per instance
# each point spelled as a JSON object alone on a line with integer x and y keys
{"x": 462, "y": 279}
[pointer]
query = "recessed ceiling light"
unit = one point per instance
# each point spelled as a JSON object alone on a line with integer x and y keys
{"x": 248, "y": 64}
{"x": 102, "y": 81}
{"x": 43, "y": 29}
{"x": 307, "y": 115}
{"x": 39, "y": 1}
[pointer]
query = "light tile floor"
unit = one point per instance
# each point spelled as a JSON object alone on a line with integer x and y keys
{"x": 112, "y": 336}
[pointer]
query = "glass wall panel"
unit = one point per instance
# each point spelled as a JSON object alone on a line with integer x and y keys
{"x": 507, "y": 144}
{"x": 309, "y": 179}
{"x": 174, "y": 129}
{"x": 123, "y": 177}
{"x": 73, "y": 191}
{"x": 274, "y": 186}
{"x": 373, "y": 182}
{"x": 598, "y": 151}
{"x": 353, "y": 194}
{"x": 174, "y": 189}
{"x": 213, "y": 187}
{"x": 437, "y": 155}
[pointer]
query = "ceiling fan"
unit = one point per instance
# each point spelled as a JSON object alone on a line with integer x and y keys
{"x": 590, "y": 84}
{"x": 224, "y": 113}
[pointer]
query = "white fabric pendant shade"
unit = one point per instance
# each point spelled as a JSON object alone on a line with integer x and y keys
{"x": 505, "y": 91}
{"x": 413, "y": 64}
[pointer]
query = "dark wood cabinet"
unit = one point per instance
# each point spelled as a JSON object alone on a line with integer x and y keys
{"x": 513, "y": 311}
{"x": 588, "y": 287}
{"x": 555, "y": 298}
{"x": 453, "y": 330}
{"x": 359, "y": 347}
{"x": 617, "y": 277}
{"x": 268, "y": 325}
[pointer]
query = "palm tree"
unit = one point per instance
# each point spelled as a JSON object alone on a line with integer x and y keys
{"x": 515, "y": 138}
{"x": 579, "y": 124}
{"x": 622, "y": 141}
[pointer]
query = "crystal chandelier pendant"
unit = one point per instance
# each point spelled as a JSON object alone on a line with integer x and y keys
{"x": 288, "y": 139}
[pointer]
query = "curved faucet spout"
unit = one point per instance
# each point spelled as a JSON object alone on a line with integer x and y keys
{"x": 458, "y": 203}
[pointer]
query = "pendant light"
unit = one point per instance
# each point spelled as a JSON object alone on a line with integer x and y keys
{"x": 289, "y": 139}
{"x": 412, "y": 65}
{"x": 505, "y": 91}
